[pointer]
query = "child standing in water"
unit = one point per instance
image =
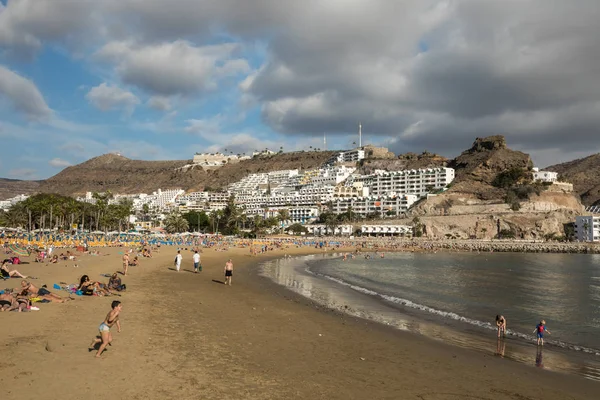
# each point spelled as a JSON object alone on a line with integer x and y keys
{"x": 501, "y": 324}
{"x": 539, "y": 331}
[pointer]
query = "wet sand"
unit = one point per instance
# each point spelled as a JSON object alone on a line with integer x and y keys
{"x": 187, "y": 335}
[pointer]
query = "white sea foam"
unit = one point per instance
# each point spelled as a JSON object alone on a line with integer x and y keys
{"x": 452, "y": 315}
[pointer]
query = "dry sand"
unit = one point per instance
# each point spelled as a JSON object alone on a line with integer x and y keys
{"x": 188, "y": 336}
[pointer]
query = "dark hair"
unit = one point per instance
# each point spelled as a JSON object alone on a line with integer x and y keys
{"x": 115, "y": 304}
{"x": 83, "y": 279}
{"x": 497, "y": 318}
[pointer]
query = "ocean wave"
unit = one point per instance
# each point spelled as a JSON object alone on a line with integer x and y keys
{"x": 453, "y": 316}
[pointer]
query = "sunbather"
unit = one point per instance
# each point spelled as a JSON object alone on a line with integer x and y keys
{"x": 7, "y": 301}
{"x": 6, "y": 273}
{"x": 89, "y": 287}
{"x": 42, "y": 293}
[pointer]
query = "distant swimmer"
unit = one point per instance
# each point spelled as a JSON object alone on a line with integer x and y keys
{"x": 539, "y": 331}
{"x": 501, "y": 324}
{"x": 382, "y": 255}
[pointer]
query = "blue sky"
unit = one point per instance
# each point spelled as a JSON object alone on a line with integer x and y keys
{"x": 162, "y": 80}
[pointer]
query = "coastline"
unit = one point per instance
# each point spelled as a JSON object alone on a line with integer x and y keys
{"x": 298, "y": 275}
{"x": 188, "y": 335}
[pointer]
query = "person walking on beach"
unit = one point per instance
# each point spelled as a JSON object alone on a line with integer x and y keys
{"x": 539, "y": 331}
{"x": 228, "y": 272}
{"x": 197, "y": 265}
{"x": 178, "y": 259}
{"x": 501, "y": 324}
{"x": 125, "y": 263}
{"x": 105, "y": 336}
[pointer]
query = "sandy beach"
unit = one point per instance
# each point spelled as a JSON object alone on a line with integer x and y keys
{"x": 187, "y": 335}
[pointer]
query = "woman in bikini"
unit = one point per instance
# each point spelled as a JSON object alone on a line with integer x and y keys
{"x": 105, "y": 336}
{"x": 6, "y": 273}
{"x": 89, "y": 287}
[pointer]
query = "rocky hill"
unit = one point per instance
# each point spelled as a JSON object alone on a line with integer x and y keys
{"x": 473, "y": 207}
{"x": 123, "y": 175}
{"x": 12, "y": 187}
{"x": 477, "y": 167}
{"x": 584, "y": 174}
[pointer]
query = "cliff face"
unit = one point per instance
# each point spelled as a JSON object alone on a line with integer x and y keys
{"x": 584, "y": 174}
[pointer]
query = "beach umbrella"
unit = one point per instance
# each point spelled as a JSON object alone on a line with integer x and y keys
{"x": 18, "y": 250}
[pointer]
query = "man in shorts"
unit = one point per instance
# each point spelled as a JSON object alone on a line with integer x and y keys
{"x": 228, "y": 272}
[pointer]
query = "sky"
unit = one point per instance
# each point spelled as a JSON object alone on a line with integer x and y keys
{"x": 161, "y": 80}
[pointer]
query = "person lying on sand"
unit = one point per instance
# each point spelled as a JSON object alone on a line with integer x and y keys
{"x": 43, "y": 293}
{"x": 7, "y": 301}
{"x": 105, "y": 336}
{"x": 6, "y": 273}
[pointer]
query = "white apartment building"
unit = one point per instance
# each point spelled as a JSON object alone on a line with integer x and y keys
{"x": 384, "y": 206}
{"x": 418, "y": 182}
{"x": 193, "y": 197}
{"x": 161, "y": 198}
{"x": 218, "y": 197}
{"x": 587, "y": 228}
{"x": 307, "y": 196}
{"x": 319, "y": 230}
{"x": 330, "y": 176}
{"x": 298, "y": 215}
{"x": 544, "y": 176}
{"x": 386, "y": 230}
{"x": 349, "y": 156}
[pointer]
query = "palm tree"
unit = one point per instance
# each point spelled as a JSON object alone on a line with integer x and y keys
{"x": 283, "y": 216}
{"x": 175, "y": 223}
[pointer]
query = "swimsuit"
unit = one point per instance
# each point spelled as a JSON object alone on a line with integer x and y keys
{"x": 5, "y": 303}
{"x": 43, "y": 292}
{"x": 228, "y": 273}
{"x": 104, "y": 328}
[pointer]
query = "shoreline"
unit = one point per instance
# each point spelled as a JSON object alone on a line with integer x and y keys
{"x": 296, "y": 276}
{"x": 187, "y": 335}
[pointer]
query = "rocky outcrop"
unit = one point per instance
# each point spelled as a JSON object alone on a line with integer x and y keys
{"x": 486, "y": 159}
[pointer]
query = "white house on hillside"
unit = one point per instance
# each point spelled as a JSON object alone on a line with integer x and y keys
{"x": 544, "y": 176}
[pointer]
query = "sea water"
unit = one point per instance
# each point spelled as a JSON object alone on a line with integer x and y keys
{"x": 455, "y": 297}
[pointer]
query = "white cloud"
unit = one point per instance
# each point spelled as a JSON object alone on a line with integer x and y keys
{"x": 23, "y": 95}
{"x": 159, "y": 103}
{"x": 59, "y": 163}
{"x": 173, "y": 68}
{"x": 26, "y": 24}
{"x": 105, "y": 98}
